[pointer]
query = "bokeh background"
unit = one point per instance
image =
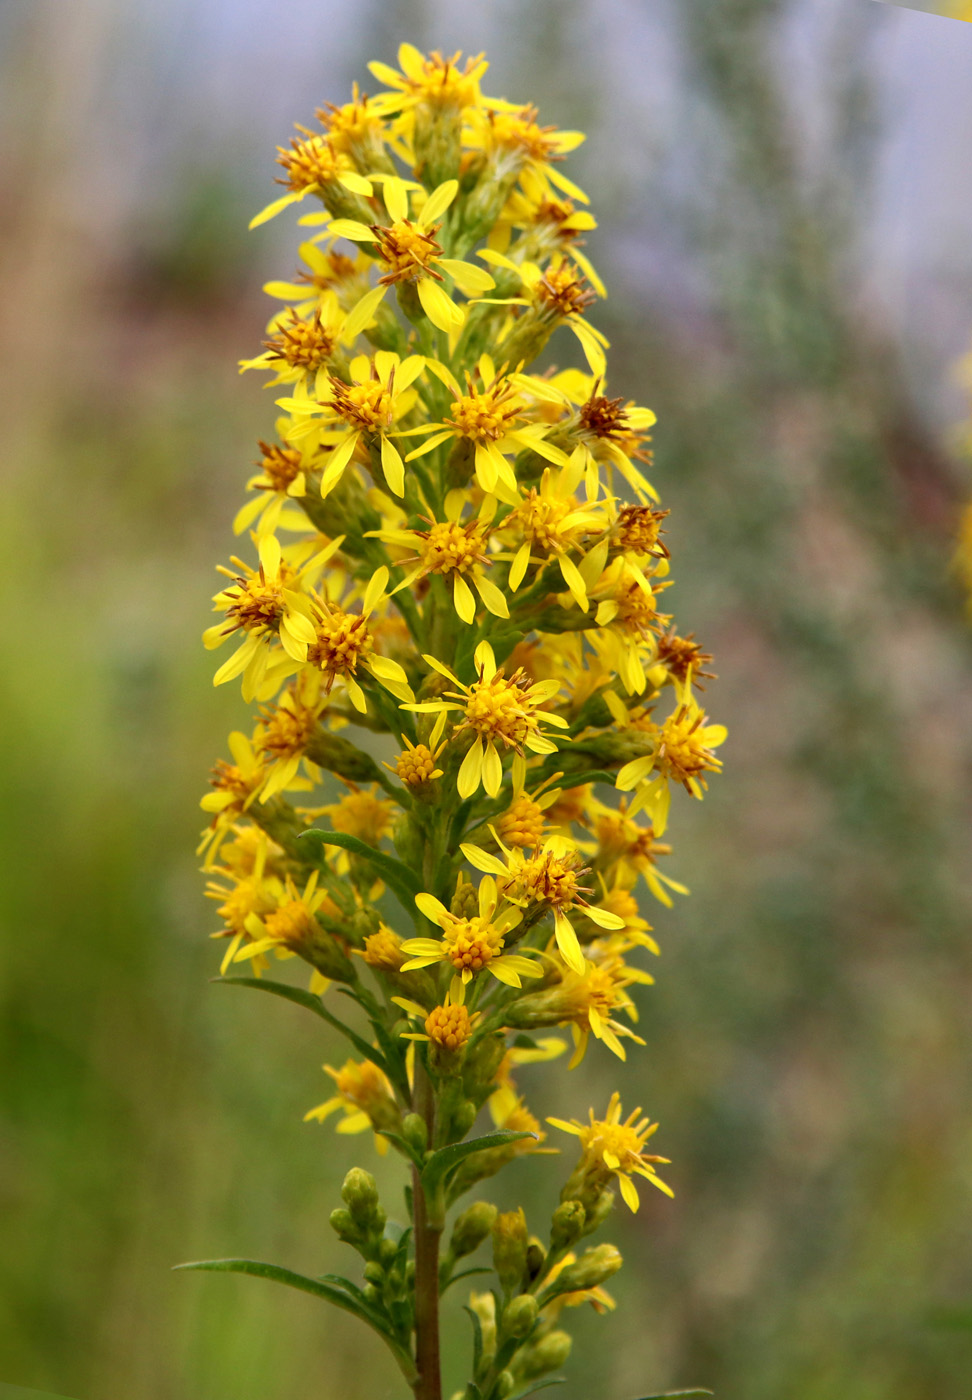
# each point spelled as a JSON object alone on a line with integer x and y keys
{"x": 786, "y": 234}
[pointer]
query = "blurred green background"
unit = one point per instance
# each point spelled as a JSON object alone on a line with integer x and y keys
{"x": 785, "y": 232}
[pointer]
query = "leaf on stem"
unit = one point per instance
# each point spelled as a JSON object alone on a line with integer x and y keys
{"x": 442, "y": 1162}
{"x": 319, "y": 1288}
{"x": 312, "y": 1003}
{"x": 395, "y": 874}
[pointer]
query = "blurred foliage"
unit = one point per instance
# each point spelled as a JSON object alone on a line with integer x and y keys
{"x": 809, "y": 1039}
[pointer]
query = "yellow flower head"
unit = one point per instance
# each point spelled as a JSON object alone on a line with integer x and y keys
{"x": 416, "y": 764}
{"x": 383, "y": 950}
{"x": 471, "y": 944}
{"x": 448, "y": 1026}
{"x": 432, "y": 80}
{"x": 362, "y": 813}
{"x": 365, "y": 1097}
{"x": 612, "y": 1147}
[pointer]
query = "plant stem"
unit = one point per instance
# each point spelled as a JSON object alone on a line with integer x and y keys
{"x": 428, "y": 1230}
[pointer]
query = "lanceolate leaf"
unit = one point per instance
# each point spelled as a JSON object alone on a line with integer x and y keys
{"x": 441, "y": 1163}
{"x": 540, "y": 1385}
{"x": 466, "y": 1273}
{"x": 395, "y": 874}
{"x": 312, "y": 1003}
{"x": 320, "y": 1288}
{"x": 670, "y": 1394}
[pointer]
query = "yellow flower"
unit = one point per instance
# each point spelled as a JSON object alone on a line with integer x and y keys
{"x": 285, "y": 731}
{"x": 598, "y": 1296}
{"x": 366, "y": 1099}
{"x": 494, "y": 709}
{"x": 470, "y": 945}
{"x": 611, "y": 1147}
{"x": 255, "y": 893}
{"x": 962, "y": 559}
{"x": 517, "y": 145}
{"x": 551, "y": 522}
{"x": 452, "y": 549}
{"x": 432, "y": 80}
{"x": 492, "y": 420}
{"x": 549, "y": 877}
{"x": 337, "y": 642}
{"x": 265, "y": 605}
{"x": 291, "y": 926}
{"x": 330, "y": 278}
{"x": 416, "y": 764}
{"x": 522, "y": 824}
{"x": 683, "y": 754}
{"x": 448, "y": 1026}
{"x": 362, "y": 813}
{"x": 407, "y": 249}
{"x": 313, "y": 165}
{"x": 624, "y": 849}
{"x": 378, "y": 395}
{"x": 383, "y": 950}
{"x": 549, "y": 225}
{"x": 282, "y": 479}
{"x": 586, "y": 1000}
{"x": 556, "y": 295}
{"x": 614, "y": 433}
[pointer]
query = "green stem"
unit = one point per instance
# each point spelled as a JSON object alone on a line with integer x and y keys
{"x": 428, "y": 1231}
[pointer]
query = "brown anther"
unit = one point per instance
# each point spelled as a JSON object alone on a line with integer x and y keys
{"x": 302, "y": 344}
{"x": 679, "y": 655}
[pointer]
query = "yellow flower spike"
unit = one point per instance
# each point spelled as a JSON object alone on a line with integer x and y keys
{"x": 456, "y": 565}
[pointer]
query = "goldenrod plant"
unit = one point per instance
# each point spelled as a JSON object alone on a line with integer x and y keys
{"x": 456, "y": 555}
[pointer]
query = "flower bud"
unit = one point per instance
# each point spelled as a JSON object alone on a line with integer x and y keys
{"x": 510, "y": 1248}
{"x": 415, "y": 1132}
{"x": 465, "y": 902}
{"x": 471, "y": 1228}
{"x": 464, "y": 1117}
{"x": 519, "y": 1315}
{"x": 343, "y": 1226}
{"x": 536, "y": 1254}
{"x": 567, "y": 1224}
{"x": 484, "y": 1306}
{"x": 546, "y": 1354}
{"x": 593, "y": 1268}
{"x": 504, "y": 1385}
{"x": 374, "y": 1273}
{"x": 409, "y": 841}
{"x": 360, "y": 1195}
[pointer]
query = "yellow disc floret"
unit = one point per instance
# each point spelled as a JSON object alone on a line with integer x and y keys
{"x": 343, "y": 640}
{"x": 448, "y": 1026}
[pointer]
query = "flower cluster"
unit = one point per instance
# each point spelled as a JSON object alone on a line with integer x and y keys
{"x": 470, "y": 707}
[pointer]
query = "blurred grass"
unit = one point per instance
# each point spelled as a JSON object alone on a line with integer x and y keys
{"x": 808, "y": 1040}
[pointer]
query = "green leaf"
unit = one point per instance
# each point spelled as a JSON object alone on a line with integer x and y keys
{"x": 312, "y": 1003}
{"x": 669, "y": 1394}
{"x": 466, "y": 1273}
{"x": 540, "y": 1385}
{"x": 442, "y": 1162}
{"x": 592, "y": 775}
{"x": 319, "y": 1288}
{"x": 404, "y": 1147}
{"x": 477, "y": 1340}
{"x": 395, "y": 874}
